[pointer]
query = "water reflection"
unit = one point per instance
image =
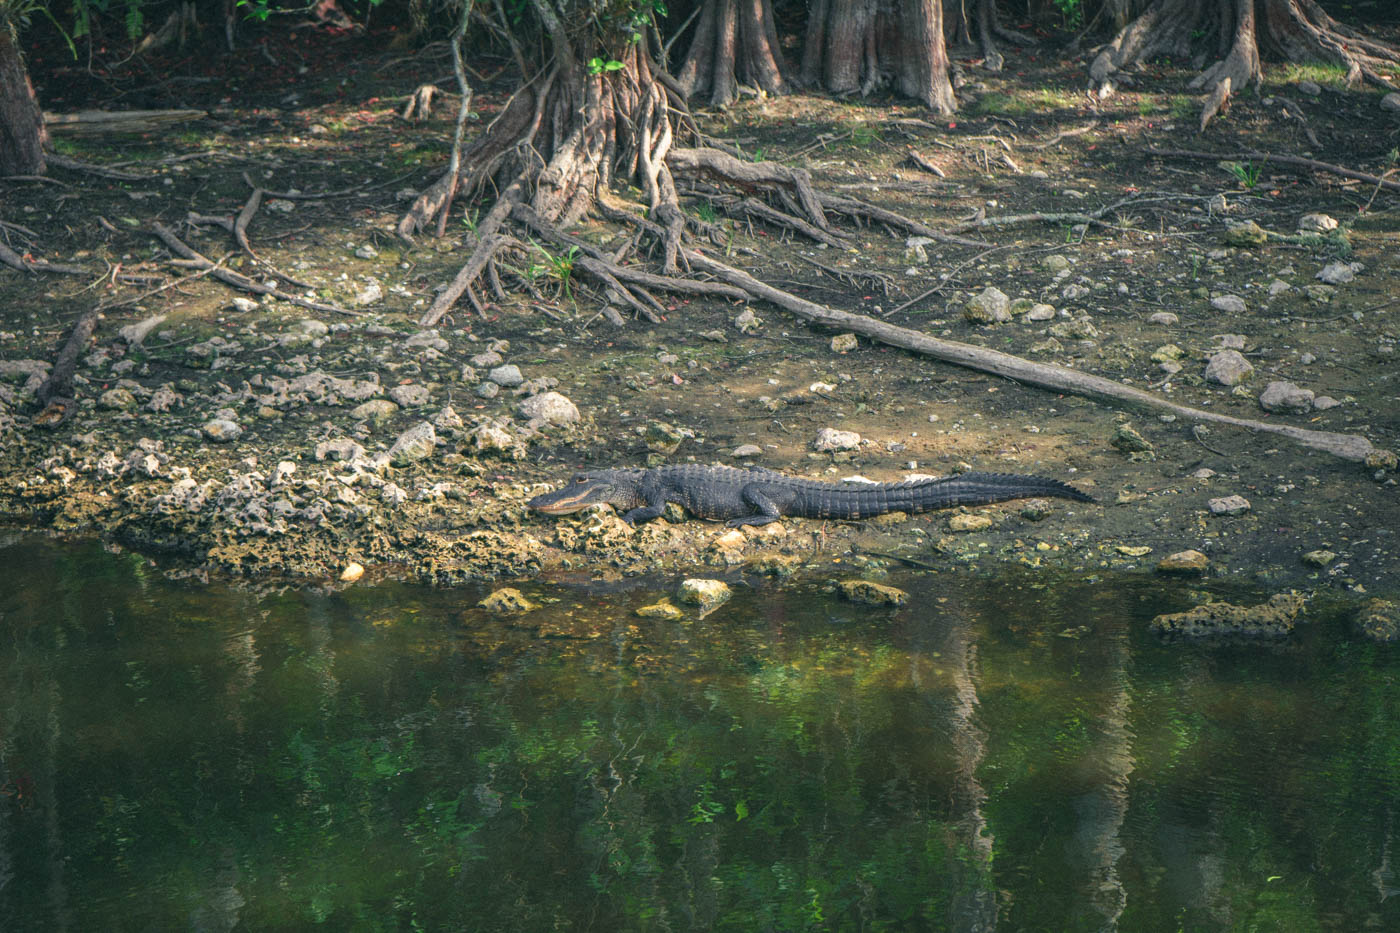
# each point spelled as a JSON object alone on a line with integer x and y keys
{"x": 992, "y": 757}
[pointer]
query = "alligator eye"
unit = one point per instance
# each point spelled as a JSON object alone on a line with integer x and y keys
{"x": 580, "y": 479}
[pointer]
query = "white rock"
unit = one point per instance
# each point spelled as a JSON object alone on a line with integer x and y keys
{"x": 1041, "y": 312}
{"x": 133, "y": 334}
{"x": 369, "y": 294}
{"x": 549, "y": 407}
{"x": 1231, "y": 304}
{"x": 747, "y": 450}
{"x": 411, "y": 395}
{"x": 1316, "y": 223}
{"x": 1391, "y": 102}
{"x": 1339, "y": 273}
{"x": 221, "y": 430}
{"x": 831, "y": 439}
{"x": 1228, "y": 368}
{"x": 414, "y": 444}
{"x": 1165, "y": 318}
{"x": 1285, "y": 396}
{"x": 1229, "y": 505}
{"x": 1278, "y": 287}
{"x": 507, "y": 376}
{"x": 1324, "y": 402}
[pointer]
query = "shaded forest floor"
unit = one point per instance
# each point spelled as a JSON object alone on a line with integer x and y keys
{"x": 244, "y": 439}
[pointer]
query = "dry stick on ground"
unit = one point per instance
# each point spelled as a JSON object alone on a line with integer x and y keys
{"x": 1062, "y": 135}
{"x": 15, "y": 261}
{"x": 1277, "y": 159}
{"x": 59, "y": 383}
{"x": 1044, "y": 375}
{"x": 240, "y": 235}
{"x": 228, "y": 277}
{"x": 73, "y": 165}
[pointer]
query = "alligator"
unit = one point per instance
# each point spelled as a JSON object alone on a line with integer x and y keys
{"x": 759, "y": 496}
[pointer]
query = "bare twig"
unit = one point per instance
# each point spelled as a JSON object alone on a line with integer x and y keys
{"x": 1275, "y": 158}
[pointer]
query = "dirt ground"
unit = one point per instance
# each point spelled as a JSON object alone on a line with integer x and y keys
{"x": 245, "y": 441}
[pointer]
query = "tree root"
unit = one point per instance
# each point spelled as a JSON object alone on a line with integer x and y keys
{"x": 1043, "y": 375}
{"x": 1276, "y": 159}
{"x": 1295, "y": 30}
{"x": 59, "y": 384}
{"x": 241, "y": 282}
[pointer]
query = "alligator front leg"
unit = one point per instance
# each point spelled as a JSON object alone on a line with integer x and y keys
{"x": 767, "y": 509}
{"x": 655, "y": 497}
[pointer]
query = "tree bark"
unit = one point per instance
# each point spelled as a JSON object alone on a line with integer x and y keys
{"x": 854, "y": 45}
{"x": 22, "y": 134}
{"x": 1291, "y": 30}
{"x": 735, "y": 45}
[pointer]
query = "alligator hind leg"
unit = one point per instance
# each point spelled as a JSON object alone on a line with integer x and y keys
{"x": 767, "y": 512}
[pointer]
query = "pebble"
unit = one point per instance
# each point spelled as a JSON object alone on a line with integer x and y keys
{"x": 1316, "y": 223}
{"x": 1228, "y": 368}
{"x": 747, "y": 450}
{"x": 969, "y": 522}
{"x": 1319, "y": 558}
{"x": 352, "y": 572}
{"x": 134, "y": 334}
{"x": 1285, "y": 396}
{"x": 707, "y": 594}
{"x": 1339, "y": 273}
{"x": 829, "y": 439}
{"x": 376, "y": 410}
{"x": 410, "y": 395}
{"x": 426, "y": 338}
{"x": 507, "y": 376}
{"x": 1054, "y": 263}
{"x": 366, "y": 252}
{"x": 1074, "y": 292}
{"x": 990, "y": 307}
{"x": 1165, "y": 318}
{"x": 221, "y": 430}
{"x": 369, "y": 294}
{"x": 506, "y": 600}
{"x": 1229, "y": 505}
{"x": 874, "y": 594}
{"x": 1041, "y": 312}
{"x": 746, "y": 321}
{"x": 661, "y": 609}
{"x": 1231, "y": 304}
{"x": 487, "y": 390}
{"x": 844, "y": 343}
{"x": 340, "y": 448}
{"x": 1184, "y": 562}
{"x": 485, "y": 360}
{"x": 1324, "y": 402}
{"x": 550, "y": 408}
{"x": 1248, "y": 233}
{"x": 414, "y": 444}
{"x": 117, "y": 399}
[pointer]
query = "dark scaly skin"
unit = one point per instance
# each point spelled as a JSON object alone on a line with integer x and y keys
{"x": 757, "y": 497}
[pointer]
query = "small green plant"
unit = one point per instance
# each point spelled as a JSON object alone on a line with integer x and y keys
{"x": 864, "y": 135}
{"x": 1182, "y": 107}
{"x": 706, "y": 212}
{"x": 1071, "y": 11}
{"x": 560, "y": 268}
{"x": 597, "y": 66}
{"x": 471, "y": 218}
{"x": 1246, "y": 173}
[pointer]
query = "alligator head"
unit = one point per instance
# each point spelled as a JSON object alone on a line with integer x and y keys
{"x": 585, "y": 489}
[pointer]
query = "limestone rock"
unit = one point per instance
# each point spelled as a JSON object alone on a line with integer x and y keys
{"x": 1248, "y": 233}
{"x": 1285, "y": 396}
{"x": 1339, "y": 273}
{"x": 507, "y": 600}
{"x": 1229, "y": 505}
{"x": 875, "y": 594}
{"x": 1316, "y": 223}
{"x": 1274, "y": 619}
{"x": 1228, "y": 368}
{"x": 829, "y": 439}
{"x": 1189, "y": 562}
{"x": 707, "y": 594}
{"x": 376, "y": 410}
{"x": 1379, "y": 619}
{"x": 411, "y": 395}
{"x": 974, "y": 521}
{"x": 549, "y": 408}
{"x": 1230, "y": 304}
{"x": 221, "y": 430}
{"x": 662, "y": 609}
{"x": 844, "y": 343}
{"x": 990, "y": 307}
{"x": 507, "y": 376}
{"x": 413, "y": 445}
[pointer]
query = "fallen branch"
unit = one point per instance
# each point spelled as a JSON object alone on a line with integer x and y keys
{"x": 59, "y": 383}
{"x": 15, "y": 261}
{"x": 1044, "y": 375}
{"x": 242, "y": 282}
{"x": 102, "y": 171}
{"x": 90, "y": 122}
{"x": 1276, "y": 159}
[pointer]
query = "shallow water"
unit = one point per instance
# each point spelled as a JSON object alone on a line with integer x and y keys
{"x": 997, "y": 755}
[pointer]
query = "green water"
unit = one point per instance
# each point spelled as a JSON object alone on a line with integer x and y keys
{"x": 995, "y": 756}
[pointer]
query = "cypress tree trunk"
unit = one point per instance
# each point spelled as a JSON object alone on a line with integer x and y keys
{"x": 22, "y": 135}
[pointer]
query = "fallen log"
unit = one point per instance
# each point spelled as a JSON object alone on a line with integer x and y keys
{"x": 1045, "y": 375}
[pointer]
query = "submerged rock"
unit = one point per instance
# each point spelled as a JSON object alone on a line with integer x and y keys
{"x": 707, "y": 594}
{"x": 661, "y": 609}
{"x": 1273, "y": 619}
{"x": 1189, "y": 562}
{"x": 1379, "y": 620}
{"x": 507, "y": 600}
{"x": 874, "y": 594}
